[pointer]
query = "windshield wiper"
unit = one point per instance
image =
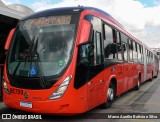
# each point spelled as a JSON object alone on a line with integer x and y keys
{"x": 15, "y": 71}
{"x": 34, "y": 55}
{"x": 17, "y": 66}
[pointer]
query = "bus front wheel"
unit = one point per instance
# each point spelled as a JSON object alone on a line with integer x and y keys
{"x": 110, "y": 97}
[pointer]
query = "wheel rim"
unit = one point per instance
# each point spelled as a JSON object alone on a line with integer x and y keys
{"x": 138, "y": 84}
{"x": 110, "y": 94}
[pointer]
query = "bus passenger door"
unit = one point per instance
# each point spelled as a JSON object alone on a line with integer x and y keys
{"x": 130, "y": 64}
{"x": 95, "y": 83}
{"x": 125, "y": 67}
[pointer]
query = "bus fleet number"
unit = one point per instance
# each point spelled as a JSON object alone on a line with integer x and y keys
{"x": 16, "y": 91}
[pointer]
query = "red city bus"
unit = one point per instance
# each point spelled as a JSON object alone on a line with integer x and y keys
{"x": 70, "y": 60}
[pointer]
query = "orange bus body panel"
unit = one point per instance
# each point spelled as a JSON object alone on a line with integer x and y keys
{"x": 8, "y": 41}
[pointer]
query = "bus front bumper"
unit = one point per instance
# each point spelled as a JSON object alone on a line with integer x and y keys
{"x": 45, "y": 107}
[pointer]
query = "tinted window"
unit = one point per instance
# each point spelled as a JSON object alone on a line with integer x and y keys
{"x": 130, "y": 50}
{"x": 124, "y": 48}
{"x": 48, "y": 45}
{"x": 142, "y": 58}
{"x": 124, "y": 38}
{"x": 124, "y": 41}
{"x": 135, "y": 51}
{"x": 139, "y": 52}
{"x": 98, "y": 47}
{"x": 119, "y": 51}
{"x": 111, "y": 46}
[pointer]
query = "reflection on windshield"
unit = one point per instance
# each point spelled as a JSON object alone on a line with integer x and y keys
{"x": 50, "y": 46}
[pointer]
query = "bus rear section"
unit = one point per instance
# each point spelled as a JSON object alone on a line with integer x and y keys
{"x": 151, "y": 64}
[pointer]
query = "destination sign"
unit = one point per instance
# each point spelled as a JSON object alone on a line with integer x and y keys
{"x": 51, "y": 20}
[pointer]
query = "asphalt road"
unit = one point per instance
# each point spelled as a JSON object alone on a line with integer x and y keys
{"x": 142, "y": 103}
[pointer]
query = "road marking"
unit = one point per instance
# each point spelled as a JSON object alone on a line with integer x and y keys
{"x": 146, "y": 103}
{"x": 128, "y": 100}
{"x": 135, "y": 111}
{"x": 157, "y": 93}
{"x": 138, "y": 120}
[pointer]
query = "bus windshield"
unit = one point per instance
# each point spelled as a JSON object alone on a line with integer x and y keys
{"x": 41, "y": 46}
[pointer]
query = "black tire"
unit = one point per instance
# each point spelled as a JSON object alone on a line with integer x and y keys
{"x": 110, "y": 97}
{"x": 151, "y": 79}
{"x": 156, "y": 75}
{"x": 137, "y": 87}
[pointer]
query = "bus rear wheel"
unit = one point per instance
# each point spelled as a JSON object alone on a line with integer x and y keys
{"x": 156, "y": 75}
{"x": 110, "y": 97}
{"x": 151, "y": 79}
{"x": 138, "y": 84}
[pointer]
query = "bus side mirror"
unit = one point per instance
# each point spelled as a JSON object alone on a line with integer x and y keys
{"x": 9, "y": 38}
{"x": 85, "y": 32}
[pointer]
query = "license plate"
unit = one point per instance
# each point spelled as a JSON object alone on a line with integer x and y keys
{"x": 26, "y": 104}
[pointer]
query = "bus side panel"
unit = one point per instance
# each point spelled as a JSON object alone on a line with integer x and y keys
{"x": 154, "y": 66}
{"x": 125, "y": 76}
{"x": 120, "y": 80}
{"x": 134, "y": 74}
{"x": 96, "y": 90}
{"x": 145, "y": 63}
{"x": 142, "y": 72}
{"x": 98, "y": 86}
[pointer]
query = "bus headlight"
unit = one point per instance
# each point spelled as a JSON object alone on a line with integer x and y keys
{"x": 61, "y": 89}
{"x": 5, "y": 86}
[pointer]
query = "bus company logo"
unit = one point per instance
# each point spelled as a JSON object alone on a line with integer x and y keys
{"x": 6, "y": 116}
{"x": 26, "y": 95}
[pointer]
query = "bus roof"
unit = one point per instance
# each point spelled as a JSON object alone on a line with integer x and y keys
{"x": 69, "y": 10}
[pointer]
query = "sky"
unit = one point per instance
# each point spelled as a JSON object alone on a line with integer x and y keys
{"x": 140, "y": 17}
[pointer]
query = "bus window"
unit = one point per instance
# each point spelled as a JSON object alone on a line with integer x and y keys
{"x": 98, "y": 47}
{"x": 139, "y": 52}
{"x": 124, "y": 39}
{"x": 124, "y": 48}
{"x": 135, "y": 51}
{"x": 109, "y": 43}
{"x": 146, "y": 56}
{"x": 83, "y": 61}
{"x": 151, "y": 57}
{"x": 119, "y": 52}
{"x": 130, "y": 50}
{"x": 142, "y": 57}
{"x": 108, "y": 35}
{"x": 95, "y": 45}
